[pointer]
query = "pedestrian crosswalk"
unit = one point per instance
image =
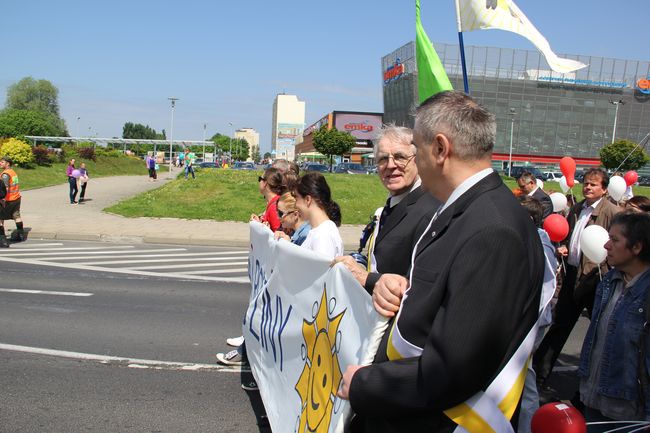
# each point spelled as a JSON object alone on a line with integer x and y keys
{"x": 196, "y": 263}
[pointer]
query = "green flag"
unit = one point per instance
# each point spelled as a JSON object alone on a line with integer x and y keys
{"x": 432, "y": 77}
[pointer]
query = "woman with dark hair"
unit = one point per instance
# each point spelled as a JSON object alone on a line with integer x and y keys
{"x": 638, "y": 203}
{"x": 272, "y": 185}
{"x": 315, "y": 204}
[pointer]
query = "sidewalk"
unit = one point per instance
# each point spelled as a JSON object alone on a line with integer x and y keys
{"x": 48, "y": 214}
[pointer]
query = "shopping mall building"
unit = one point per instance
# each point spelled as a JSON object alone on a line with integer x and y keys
{"x": 542, "y": 114}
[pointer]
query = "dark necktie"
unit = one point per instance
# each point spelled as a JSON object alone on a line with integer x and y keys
{"x": 385, "y": 214}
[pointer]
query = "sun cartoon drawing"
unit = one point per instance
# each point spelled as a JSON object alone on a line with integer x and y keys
{"x": 321, "y": 376}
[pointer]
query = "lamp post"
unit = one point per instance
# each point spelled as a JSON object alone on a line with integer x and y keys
{"x": 230, "y": 143}
{"x": 171, "y": 134}
{"x": 205, "y": 125}
{"x": 78, "y": 130}
{"x": 617, "y": 103}
{"x": 512, "y": 129}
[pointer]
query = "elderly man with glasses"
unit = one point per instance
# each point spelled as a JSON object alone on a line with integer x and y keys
{"x": 395, "y": 227}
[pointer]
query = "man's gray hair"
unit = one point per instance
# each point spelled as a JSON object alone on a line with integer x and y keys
{"x": 394, "y": 133}
{"x": 470, "y": 126}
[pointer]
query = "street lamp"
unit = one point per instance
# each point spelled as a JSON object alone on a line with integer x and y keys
{"x": 205, "y": 125}
{"x": 617, "y": 103}
{"x": 78, "y": 130}
{"x": 171, "y": 134}
{"x": 512, "y": 128}
{"x": 230, "y": 143}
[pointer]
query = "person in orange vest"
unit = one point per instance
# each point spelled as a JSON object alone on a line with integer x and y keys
{"x": 10, "y": 204}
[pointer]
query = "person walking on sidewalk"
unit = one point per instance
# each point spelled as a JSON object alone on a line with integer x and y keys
{"x": 10, "y": 203}
{"x": 83, "y": 181}
{"x": 151, "y": 165}
{"x": 72, "y": 181}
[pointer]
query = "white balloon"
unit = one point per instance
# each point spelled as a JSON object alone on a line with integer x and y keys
{"x": 559, "y": 201}
{"x": 592, "y": 243}
{"x": 539, "y": 183}
{"x": 617, "y": 187}
{"x": 563, "y": 185}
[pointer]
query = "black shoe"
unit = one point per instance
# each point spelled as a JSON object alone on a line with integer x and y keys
{"x": 3, "y": 242}
{"x": 18, "y": 236}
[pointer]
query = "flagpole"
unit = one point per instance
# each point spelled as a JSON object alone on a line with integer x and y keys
{"x": 462, "y": 48}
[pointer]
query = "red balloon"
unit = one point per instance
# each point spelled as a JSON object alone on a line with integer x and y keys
{"x": 557, "y": 227}
{"x": 631, "y": 177}
{"x": 568, "y": 169}
{"x": 558, "y": 418}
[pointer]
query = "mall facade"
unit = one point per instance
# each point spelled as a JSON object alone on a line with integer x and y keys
{"x": 544, "y": 115}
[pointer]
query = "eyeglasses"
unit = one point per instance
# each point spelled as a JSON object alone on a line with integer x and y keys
{"x": 260, "y": 178}
{"x": 281, "y": 214}
{"x": 399, "y": 159}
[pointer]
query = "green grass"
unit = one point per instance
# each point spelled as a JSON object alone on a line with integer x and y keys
{"x": 41, "y": 176}
{"x": 230, "y": 195}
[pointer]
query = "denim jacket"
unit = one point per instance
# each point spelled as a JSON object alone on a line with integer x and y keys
{"x": 620, "y": 357}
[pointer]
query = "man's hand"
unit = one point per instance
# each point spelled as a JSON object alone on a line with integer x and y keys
{"x": 344, "y": 390}
{"x": 387, "y": 294}
{"x": 281, "y": 235}
{"x": 255, "y": 217}
{"x": 357, "y": 271}
{"x": 562, "y": 251}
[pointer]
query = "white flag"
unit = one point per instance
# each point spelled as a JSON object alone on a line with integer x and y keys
{"x": 505, "y": 15}
{"x": 305, "y": 324}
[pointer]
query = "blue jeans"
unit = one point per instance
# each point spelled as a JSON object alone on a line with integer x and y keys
{"x": 189, "y": 169}
{"x": 72, "y": 181}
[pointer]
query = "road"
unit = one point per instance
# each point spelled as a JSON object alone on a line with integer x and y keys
{"x": 166, "y": 327}
{"x": 98, "y": 337}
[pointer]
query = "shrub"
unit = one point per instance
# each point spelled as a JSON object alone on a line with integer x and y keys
{"x": 19, "y": 151}
{"x": 87, "y": 153}
{"x": 41, "y": 155}
{"x": 105, "y": 151}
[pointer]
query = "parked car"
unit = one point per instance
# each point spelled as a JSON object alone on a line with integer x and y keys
{"x": 516, "y": 172}
{"x": 239, "y": 165}
{"x": 552, "y": 176}
{"x": 643, "y": 180}
{"x": 209, "y": 165}
{"x": 311, "y": 166}
{"x": 350, "y": 168}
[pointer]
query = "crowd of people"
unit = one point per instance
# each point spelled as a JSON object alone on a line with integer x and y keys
{"x": 464, "y": 271}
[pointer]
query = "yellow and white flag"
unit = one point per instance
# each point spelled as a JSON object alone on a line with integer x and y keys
{"x": 505, "y": 15}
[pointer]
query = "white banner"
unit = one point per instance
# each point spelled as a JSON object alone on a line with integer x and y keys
{"x": 305, "y": 324}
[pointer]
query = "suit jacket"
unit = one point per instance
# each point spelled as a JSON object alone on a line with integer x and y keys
{"x": 545, "y": 200}
{"x": 474, "y": 295}
{"x": 399, "y": 234}
{"x": 602, "y": 215}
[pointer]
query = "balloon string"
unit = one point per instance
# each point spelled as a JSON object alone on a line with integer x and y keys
{"x": 600, "y": 275}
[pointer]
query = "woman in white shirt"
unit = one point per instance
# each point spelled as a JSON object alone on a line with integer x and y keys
{"x": 315, "y": 204}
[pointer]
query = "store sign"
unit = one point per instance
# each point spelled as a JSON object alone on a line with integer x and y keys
{"x": 643, "y": 85}
{"x": 361, "y": 126}
{"x": 394, "y": 71}
{"x": 323, "y": 121}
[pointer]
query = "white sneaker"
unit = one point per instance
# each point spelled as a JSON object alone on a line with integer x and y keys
{"x": 234, "y": 357}
{"x": 235, "y": 341}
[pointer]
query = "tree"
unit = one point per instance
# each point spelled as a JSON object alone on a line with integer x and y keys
{"x": 138, "y": 130}
{"x": 256, "y": 154}
{"x": 240, "y": 150}
{"x": 19, "y": 123}
{"x": 30, "y": 94}
{"x": 222, "y": 142}
{"x": 331, "y": 142}
{"x": 19, "y": 151}
{"x": 613, "y": 155}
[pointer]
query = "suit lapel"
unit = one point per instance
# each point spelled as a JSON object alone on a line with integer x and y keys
{"x": 443, "y": 220}
{"x": 400, "y": 212}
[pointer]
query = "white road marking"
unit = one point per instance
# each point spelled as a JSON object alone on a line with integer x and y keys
{"x": 216, "y": 271}
{"x": 176, "y": 259}
{"x": 24, "y": 251}
{"x": 65, "y": 253}
{"x": 191, "y": 265}
{"x": 86, "y": 267}
{"x": 29, "y": 246}
{"x": 130, "y": 362}
{"x": 46, "y": 292}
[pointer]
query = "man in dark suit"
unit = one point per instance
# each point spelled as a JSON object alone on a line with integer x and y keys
{"x": 407, "y": 208}
{"x": 473, "y": 289}
{"x": 528, "y": 185}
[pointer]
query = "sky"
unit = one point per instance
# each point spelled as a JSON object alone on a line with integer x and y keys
{"x": 118, "y": 61}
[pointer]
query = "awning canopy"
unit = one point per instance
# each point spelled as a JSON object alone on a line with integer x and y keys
{"x": 102, "y": 140}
